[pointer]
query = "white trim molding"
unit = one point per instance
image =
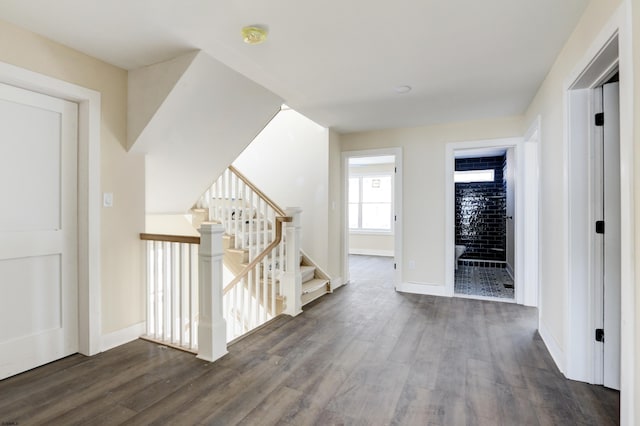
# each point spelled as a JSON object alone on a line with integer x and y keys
{"x": 422, "y": 288}
{"x": 89, "y": 202}
{"x": 336, "y": 282}
{"x": 397, "y": 205}
{"x": 552, "y": 345}
{"x": 611, "y": 48}
{"x": 120, "y": 337}
{"x": 372, "y": 252}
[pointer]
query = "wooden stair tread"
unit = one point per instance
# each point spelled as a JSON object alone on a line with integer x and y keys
{"x": 313, "y": 285}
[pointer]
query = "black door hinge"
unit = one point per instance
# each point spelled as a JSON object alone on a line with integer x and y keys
{"x": 394, "y": 266}
{"x": 599, "y": 226}
{"x": 600, "y": 119}
{"x": 395, "y": 170}
{"x": 599, "y": 335}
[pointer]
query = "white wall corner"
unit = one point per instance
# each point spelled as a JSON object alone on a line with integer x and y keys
{"x": 209, "y": 117}
{"x": 120, "y": 337}
{"x": 552, "y": 346}
{"x": 148, "y": 87}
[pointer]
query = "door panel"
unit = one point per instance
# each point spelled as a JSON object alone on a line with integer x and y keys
{"x": 38, "y": 229}
{"x": 611, "y": 236}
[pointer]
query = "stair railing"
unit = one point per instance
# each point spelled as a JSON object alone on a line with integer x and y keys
{"x": 172, "y": 290}
{"x": 256, "y": 290}
{"x": 184, "y": 292}
{"x": 246, "y": 212}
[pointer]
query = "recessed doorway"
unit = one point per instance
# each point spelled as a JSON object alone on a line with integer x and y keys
{"x": 372, "y": 186}
{"x": 513, "y": 252}
{"x": 484, "y": 223}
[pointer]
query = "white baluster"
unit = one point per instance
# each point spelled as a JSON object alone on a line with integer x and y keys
{"x": 263, "y": 270}
{"x": 250, "y": 240}
{"x": 181, "y": 296}
{"x": 190, "y": 308}
{"x": 237, "y": 210}
{"x": 292, "y": 279}
{"x": 243, "y": 224}
{"x": 212, "y": 328}
{"x": 175, "y": 289}
{"x": 150, "y": 278}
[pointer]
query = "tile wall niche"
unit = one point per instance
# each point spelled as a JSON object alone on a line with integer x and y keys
{"x": 480, "y": 210}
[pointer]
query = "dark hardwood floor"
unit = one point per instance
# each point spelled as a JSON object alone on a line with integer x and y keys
{"x": 364, "y": 355}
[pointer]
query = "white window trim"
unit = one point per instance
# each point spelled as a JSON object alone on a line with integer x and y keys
{"x": 372, "y": 231}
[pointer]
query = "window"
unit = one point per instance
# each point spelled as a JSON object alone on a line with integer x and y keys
{"x": 469, "y": 176}
{"x": 370, "y": 203}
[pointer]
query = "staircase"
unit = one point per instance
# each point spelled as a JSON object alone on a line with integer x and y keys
{"x": 258, "y": 285}
{"x": 315, "y": 282}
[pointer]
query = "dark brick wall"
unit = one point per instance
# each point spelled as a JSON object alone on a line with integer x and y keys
{"x": 481, "y": 210}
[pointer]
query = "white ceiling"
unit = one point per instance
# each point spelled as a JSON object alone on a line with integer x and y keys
{"x": 336, "y": 61}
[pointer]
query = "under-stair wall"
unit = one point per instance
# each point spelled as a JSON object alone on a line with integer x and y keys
{"x": 289, "y": 161}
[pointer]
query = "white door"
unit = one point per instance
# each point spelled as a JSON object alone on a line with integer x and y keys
{"x": 611, "y": 270}
{"x": 38, "y": 230}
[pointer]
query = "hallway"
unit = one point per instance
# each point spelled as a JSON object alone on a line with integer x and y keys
{"x": 362, "y": 355}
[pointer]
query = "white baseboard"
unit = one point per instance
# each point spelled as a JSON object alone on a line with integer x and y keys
{"x": 422, "y": 288}
{"x": 372, "y": 252}
{"x": 336, "y": 282}
{"x": 120, "y": 337}
{"x": 552, "y": 346}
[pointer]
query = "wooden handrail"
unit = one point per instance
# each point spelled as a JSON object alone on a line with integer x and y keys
{"x": 261, "y": 194}
{"x": 186, "y": 239}
{"x": 279, "y": 224}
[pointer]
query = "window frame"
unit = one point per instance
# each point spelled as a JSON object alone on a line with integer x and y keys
{"x": 371, "y": 231}
{"x": 462, "y": 173}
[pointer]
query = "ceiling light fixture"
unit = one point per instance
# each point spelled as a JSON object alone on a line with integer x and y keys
{"x": 403, "y": 89}
{"x": 254, "y": 34}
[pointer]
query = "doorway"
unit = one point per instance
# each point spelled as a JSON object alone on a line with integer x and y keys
{"x": 372, "y": 188}
{"x": 595, "y": 220}
{"x": 522, "y": 164}
{"x": 484, "y": 224}
{"x": 89, "y": 194}
{"x": 607, "y": 236}
{"x": 38, "y": 230}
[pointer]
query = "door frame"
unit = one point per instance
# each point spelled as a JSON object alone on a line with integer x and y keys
{"x": 523, "y": 294}
{"x": 397, "y": 205}
{"x": 610, "y": 51}
{"x": 89, "y": 200}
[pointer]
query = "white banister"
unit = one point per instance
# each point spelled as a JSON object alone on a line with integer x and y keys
{"x": 212, "y": 328}
{"x": 292, "y": 277}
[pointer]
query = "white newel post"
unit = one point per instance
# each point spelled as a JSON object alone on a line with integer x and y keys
{"x": 292, "y": 279}
{"x": 212, "y": 328}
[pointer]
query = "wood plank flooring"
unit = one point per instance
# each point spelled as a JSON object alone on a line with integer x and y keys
{"x": 364, "y": 355}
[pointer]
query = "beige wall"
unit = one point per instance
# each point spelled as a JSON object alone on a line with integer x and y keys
{"x": 122, "y": 174}
{"x": 548, "y": 104}
{"x": 635, "y": 19}
{"x": 423, "y": 154}
{"x": 335, "y": 247}
{"x": 371, "y": 244}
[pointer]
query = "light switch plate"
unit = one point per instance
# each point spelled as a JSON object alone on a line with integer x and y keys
{"x": 107, "y": 199}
